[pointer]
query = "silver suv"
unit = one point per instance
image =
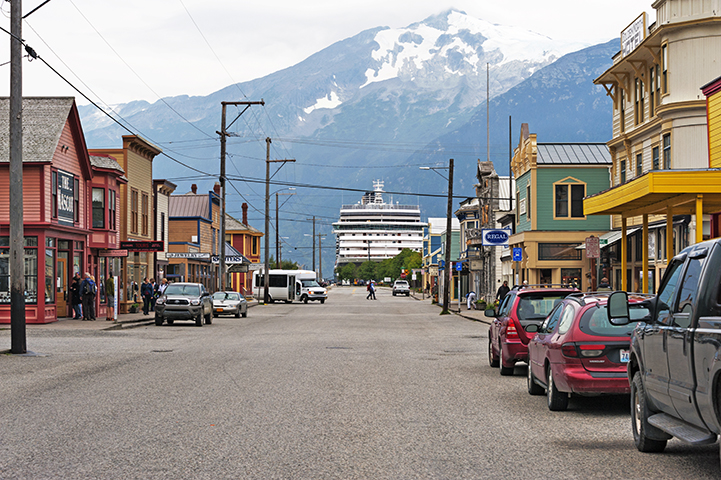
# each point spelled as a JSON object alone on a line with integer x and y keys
{"x": 401, "y": 287}
{"x": 184, "y": 301}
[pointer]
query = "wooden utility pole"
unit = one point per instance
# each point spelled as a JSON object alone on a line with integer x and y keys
{"x": 313, "y": 237}
{"x": 223, "y": 134}
{"x": 268, "y": 161}
{"x": 448, "y": 272}
{"x": 17, "y": 236}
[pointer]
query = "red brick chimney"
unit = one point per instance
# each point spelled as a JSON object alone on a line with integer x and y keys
{"x": 245, "y": 213}
{"x": 194, "y": 188}
{"x": 216, "y": 188}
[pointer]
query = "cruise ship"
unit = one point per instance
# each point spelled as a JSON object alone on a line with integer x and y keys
{"x": 373, "y": 230}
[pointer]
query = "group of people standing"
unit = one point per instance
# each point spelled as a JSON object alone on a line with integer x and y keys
{"x": 83, "y": 292}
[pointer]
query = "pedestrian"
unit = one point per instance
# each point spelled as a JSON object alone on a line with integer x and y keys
{"x": 110, "y": 297}
{"x": 88, "y": 290}
{"x": 154, "y": 286}
{"x": 373, "y": 289}
{"x": 604, "y": 286}
{"x": 146, "y": 293}
{"x": 369, "y": 289}
{"x": 502, "y": 291}
{"x": 162, "y": 286}
{"x": 471, "y": 300}
{"x": 76, "y": 298}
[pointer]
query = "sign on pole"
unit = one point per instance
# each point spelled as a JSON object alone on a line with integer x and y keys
{"x": 495, "y": 237}
{"x": 517, "y": 254}
{"x": 593, "y": 249}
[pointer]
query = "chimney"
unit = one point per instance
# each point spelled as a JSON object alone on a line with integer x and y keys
{"x": 216, "y": 188}
{"x": 194, "y": 188}
{"x": 245, "y": 213}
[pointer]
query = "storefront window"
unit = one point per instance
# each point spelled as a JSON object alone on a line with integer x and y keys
{"x": 102, "y": 276}
{"x": 571, "y": 276}
{"x": 50, "y": 279}
{"x": 30, "y": 266}
{"x": 98, "y": 208}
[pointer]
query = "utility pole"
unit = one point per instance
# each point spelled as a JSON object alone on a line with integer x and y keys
{"x": 17, "y": 241}
{"x": 320, "y": 256}
{"x": 278, "y": 263}
{"x": 223, "y": 134}
{"x": 448, "y": 272}
{"x": 266, "y": 266}
{"x": 313, "y": 237}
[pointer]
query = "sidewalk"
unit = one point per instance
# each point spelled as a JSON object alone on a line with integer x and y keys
{"x": 475, "y": 315}
{"x": 125, "y": 321}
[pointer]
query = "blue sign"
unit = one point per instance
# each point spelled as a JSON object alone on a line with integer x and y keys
{"x": 441, "y": 264}
{"x": 517, "y": 254}
{"x": 495, "y": 237}
{"x": 459, "y": 266}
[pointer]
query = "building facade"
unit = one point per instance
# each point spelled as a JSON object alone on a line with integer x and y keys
{"x": 659, "y": 148}
{"x": 246, "y": 240}
{"x": 69, "y": 208}
{"x": 552, "y": 180}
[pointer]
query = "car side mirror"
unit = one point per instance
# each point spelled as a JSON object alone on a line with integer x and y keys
{"x": 617, "y": 308}
{"x": 491, "y": 313}
{"x": 533, "y": 328}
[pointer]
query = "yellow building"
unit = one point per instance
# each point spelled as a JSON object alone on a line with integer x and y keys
{"x": 660, "y": 160}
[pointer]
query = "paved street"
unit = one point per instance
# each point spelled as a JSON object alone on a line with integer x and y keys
{"x": 351, "y": 389}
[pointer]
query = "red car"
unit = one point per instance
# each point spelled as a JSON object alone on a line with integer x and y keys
{"x": 577, "y": 350}
{"x": 529, "y": 305}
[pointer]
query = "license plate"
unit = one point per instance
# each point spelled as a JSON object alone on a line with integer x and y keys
{"x": 625, "y": 356}
{"x": 220, "y": 310}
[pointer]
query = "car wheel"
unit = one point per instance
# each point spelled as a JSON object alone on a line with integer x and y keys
{"x": 215, "y": 315}
{"x": 245, "y": 314}
{"x": 505, "y": 371}
{"x": 394, "y": 294}
{"x": 533, "y": 387}
{"x": 492, "y": 359}
{"x": 557, "y": 401}
{"x": 171, "y": 321}
{"x": 237, "y": 314}
{"x": 199, "y": 319}
{"x": 305, "y": 299}
{"x": 158, "y": 319}
{"x": 289, "y": 301}
{"x": 322, "y": 301}
{"x": 639, "y": 420}
{"x": 209, "y": 319}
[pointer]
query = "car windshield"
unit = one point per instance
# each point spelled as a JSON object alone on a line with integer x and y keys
{"x": 309, "y": 283}
{"x": 537, "y": 306}
{"x": 183, "y": 290}
{"x": 595, "y": 321}
{"x": 226, "y": 296}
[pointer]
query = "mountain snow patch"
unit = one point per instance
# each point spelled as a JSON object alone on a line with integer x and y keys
{"x": 332, "y": 100}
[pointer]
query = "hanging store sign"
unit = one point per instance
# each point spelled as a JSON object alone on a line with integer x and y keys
{"x": 633, "y": 35}
{"x": 139, "y": 246}
{"x": 231, "y": 259}
{"x": 66, "y": 198}
{"x": 496, "y": 237}
{"x": 106, "y": 252}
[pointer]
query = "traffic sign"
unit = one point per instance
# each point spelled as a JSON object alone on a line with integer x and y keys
{"x": 459, "y": 266}
{"x": 592, "y": 247}
{"x": 517, "y": 254}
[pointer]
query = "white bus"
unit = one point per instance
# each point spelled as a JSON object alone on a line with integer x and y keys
{"x": 289, "y": 285}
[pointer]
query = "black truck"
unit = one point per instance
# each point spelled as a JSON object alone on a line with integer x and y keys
{"x": 675, "y": 359}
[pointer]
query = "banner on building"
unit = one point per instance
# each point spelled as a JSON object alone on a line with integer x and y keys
{"x": 66, "y": 198}
{"x": 190, "y": 255}
{"x": 142, "y": 246}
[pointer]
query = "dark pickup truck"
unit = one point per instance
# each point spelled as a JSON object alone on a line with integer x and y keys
{"x": 675, "y": 360}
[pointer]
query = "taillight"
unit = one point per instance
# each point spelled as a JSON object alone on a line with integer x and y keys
{"x": 569, "y": 350}
{"x": 592, "y": 350}
{"x": 511, "y": 331}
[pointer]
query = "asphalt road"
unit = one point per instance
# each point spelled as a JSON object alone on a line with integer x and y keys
{"x": 384, "y": 389}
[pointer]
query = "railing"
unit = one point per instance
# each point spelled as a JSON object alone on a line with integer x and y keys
{"x": 379, "y": 206}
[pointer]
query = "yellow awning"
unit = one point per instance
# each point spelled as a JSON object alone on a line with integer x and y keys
{"x": 655, "y": 191}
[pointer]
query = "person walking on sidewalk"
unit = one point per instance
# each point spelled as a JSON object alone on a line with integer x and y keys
{"x": 502, "y": 292}
{"x": 88, "y": 290}
{"x": 75, "y": 297}
{"x": 471, "y": 300}
{"x": 146, "y": 292}
{"x": 110, "y": 296}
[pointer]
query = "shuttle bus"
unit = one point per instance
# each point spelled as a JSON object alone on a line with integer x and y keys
{"x": 289, "y": 285}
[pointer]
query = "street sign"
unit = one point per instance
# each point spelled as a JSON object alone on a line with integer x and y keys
{"x": 496, "y": 237}
{"x": 459, "y": 266}
{"x": 592, "y": 247}
{"x": 441, "y": 264}
{"x": 141, "y": 246}
{"x": 517, "y": 254}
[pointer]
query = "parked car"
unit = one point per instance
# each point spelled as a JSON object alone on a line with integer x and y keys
{"x": 184, "y": 301}
{"x": 577, "y": 350}
{"x": 529, "y": 304}
{"x": 229, "y": 303}
{"x": 401, "y": 287}
{"x": 674, "y": 369}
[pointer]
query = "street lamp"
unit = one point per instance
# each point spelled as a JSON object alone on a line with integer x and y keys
{"x": 447, "y": 272}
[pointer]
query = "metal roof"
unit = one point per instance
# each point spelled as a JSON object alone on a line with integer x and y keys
{"x": 573, "y": 154}
{"x": 190, "y": 205}
{"x": 43, "y": 121}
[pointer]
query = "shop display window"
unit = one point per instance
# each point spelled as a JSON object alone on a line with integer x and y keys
{"x": 30, "y": 269}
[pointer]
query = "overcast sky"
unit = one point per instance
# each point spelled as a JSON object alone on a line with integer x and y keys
{"x": 118, "y": 51}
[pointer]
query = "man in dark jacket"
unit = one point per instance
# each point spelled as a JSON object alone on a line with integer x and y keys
{"x": 75, "y": 298}
{"x": 502, "y": 291}
{"x": 88, "y": 290}
{"x": 146, "y": 291}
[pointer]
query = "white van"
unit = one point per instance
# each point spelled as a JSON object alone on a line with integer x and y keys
{"x": 289, "y": 285}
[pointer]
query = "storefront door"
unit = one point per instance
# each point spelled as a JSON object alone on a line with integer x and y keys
{"x": 63, "y": 293}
